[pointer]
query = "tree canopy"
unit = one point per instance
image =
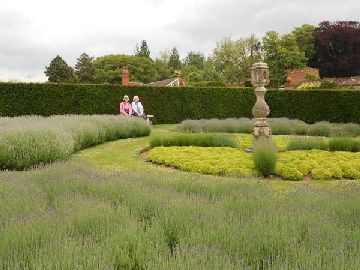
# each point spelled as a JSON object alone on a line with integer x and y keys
{"x": 84, "y": 69}
{"x": 108, "y": 68}
{"x": 281, "y": 54}
{"x": 233, "y": 59}
{"x": 59, "y": 71}
{"x": 174, "y": 60}
{"x": 337, "y": 48}
{"x": 305, "y": 38}
{"x": 143, "y": 51}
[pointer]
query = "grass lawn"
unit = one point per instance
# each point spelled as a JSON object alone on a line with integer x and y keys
{"x": 105, "y": 208}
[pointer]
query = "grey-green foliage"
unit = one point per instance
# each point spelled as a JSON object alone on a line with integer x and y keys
{"x": 344, "y": 144}
{"x": 31, "y": 140}
{"x": 202, "y": 140}
{"x": 279, "y": 126}
{"x": 304, "y": 143}
{"x": 265, "y": 157}
{"x": 73, "y": 216}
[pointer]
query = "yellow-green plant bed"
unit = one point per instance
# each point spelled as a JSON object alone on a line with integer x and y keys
{"x": 205, "y": 160}
{"x": 246, "y": 140}
{"x": 294, "y": 165}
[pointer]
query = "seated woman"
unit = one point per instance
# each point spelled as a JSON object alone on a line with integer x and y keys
{"x": 137, "y": 107}
{"x": 125, "y": 107}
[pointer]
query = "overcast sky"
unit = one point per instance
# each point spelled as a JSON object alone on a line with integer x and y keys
{"x": 32, "y": 32}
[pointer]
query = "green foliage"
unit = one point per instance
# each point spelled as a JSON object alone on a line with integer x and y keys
{"x": 307, "y": 144}
{"x": 290, "y": 165}
{"x": 174, "y": 60}
{"x": 344, "y": 144}
{"x": 203, "y": 140}
{"x": 282, "y": 53}
{"x": 192, "y": 74}
{"x": 196, "y": 59}
{"x": 205, "y": 160}
{"x": 108, "y": 68}
{"x": 265, "y": 157}
{"x": 29, "y": 141}
{"x": 208, "y": 84}
{"x": 309, "y": 86}
{"x": 173, "y": 104}
{"x": 59, "y": 71}
{"x": 318, "y": 163}
{"x": 233, "y": 59}
{"x": 305, "y": 38}
{"x": 162, "y": 69}
{"x": 328, "y": 84}
{"x": 143, "y": 51}
{"x": 84, "y": 69}
{"x": 311, "y": 77}
{"x": 247, "y": 83}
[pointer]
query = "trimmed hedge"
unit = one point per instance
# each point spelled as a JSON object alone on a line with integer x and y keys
{"x": 172, "y": 105}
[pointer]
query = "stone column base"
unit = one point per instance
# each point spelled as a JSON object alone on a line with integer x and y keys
{"x": 261, "y": 129}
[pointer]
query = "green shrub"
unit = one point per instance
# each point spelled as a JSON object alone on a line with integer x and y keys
{"x": 289, "y": 172}
{"x": 312, "y": 77}
{"x": 328, "y": 84}
{"x": 247, "y": 83}
{"x": 202, "y": 140}
{"x": 175, "y": 104}
{"x": 209, "y": 84}
{"x": 265, "y": 157}
{"x": 321, "y": 173}
{"x": 306, "y": 144}
{"x": 344, "y": 144}
{"x": 29, "y": 141}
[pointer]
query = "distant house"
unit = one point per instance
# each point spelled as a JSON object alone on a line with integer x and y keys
{"x": 297, "y": 77}
{"x": 171, "y": 82}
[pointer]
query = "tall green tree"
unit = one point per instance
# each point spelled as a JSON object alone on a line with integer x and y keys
{"x": 84, "y": 69}
{"x": 143, "y": 51}
{"x": 108, "y": 68}
{"x": 59, "y": 71}
{"x": 233, "y": 59}
{"x": 305, "y": 38}
{"x": 196, "y": 59}
{"x": 281, "y": 54}
{"x": 174, "y": 60}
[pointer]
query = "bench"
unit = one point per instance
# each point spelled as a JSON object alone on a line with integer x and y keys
{"x": 148, "y": 117}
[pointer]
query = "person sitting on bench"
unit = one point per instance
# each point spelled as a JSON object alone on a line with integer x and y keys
{"x": 125, "y": 107}
{"x": 137, "y": 108}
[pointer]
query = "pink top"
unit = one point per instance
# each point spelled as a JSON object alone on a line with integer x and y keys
{"x": 125, "y": 108}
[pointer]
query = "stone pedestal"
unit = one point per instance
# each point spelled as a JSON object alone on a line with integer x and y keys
{"x": 259, "y": 79}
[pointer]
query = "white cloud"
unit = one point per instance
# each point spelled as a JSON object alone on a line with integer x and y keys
{"x": 33, "y": 32}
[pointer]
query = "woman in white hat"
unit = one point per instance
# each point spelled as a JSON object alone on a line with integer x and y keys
{"x": 137, "y": 108}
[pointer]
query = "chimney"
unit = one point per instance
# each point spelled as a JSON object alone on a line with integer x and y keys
{"x": 125, "y": 77}
{"x": 181, "y": 80}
